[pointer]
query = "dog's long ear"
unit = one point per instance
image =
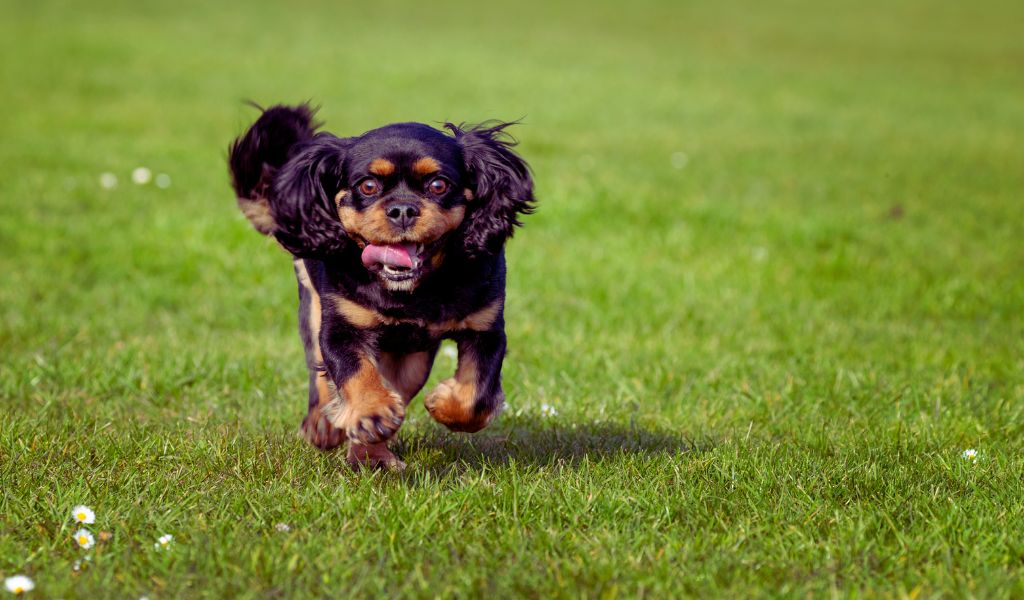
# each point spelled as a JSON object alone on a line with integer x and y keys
{"x": 302, "y": 198}
{"x": 279, "y": 170}
{"x": 501, "y": 185}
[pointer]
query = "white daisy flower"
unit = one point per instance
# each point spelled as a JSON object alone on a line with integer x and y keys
{"x": 163, "y": 181}
{"x": 547, "y": 410}
{"x": 970, "y": 454}
{"x": 76, "y": 566}
{"x": 108, "y": 181}
{"x": 282, "y": 527}
{"x": 449, "y": 352}
{"x": 141, "y": 176}
{"x": 84, "y": 539}
{"x": 83, "y": 514}
{"x": 163, "y": 542}
{"x": 19, "y": 584}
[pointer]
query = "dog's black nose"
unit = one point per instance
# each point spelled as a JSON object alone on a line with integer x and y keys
{"x": 403, "y": 215}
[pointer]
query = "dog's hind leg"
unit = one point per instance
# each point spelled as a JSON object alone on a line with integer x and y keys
{"x": 406, "y": 373}
{"x": 316, "y": 427}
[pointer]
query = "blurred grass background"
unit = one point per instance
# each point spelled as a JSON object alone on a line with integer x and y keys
{"x": 773, "y": 291}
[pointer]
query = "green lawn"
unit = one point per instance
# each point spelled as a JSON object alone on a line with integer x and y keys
{"x": 774, "y": 289}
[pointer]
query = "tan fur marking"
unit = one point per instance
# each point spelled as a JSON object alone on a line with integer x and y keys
{"x": 367, "y": 318}
{"x": 258, "y": 212}
{"x": 316, "y": 427}
{"x": 303, "y": 274}
{"x": 368, "y": 411}
{"x": 366, "y": 386}
{"x": 359, "y": 315}
{"x": 465, "y": 375}
{"x": 371, "y": 224}
{"x": 406, "y": 373}
{"x": 315, "y": 310}
{"x": 339, "y": 197}
{"x": 435, "y": 221}
{"x": 437, "y": 258}
{"x": 324, "y": 390}
{"x": 374, "y": 226}
{"x": 480, "y": 320}
{"x": 468, "y": 194}
{"x": 425, "y": 166}
{"x": 453, "y": 400}
{"x": 382, "y": 167}
{"x": 315, "y": 316}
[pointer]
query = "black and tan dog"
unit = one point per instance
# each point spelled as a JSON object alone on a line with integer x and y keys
{"x": 398, "y": 242}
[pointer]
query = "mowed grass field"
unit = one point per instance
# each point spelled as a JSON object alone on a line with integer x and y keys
{"x": 772, "y": 292}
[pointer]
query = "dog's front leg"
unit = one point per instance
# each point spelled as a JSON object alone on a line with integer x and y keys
{"x": 471, "y": 399}
{"x": 366, "y": 409}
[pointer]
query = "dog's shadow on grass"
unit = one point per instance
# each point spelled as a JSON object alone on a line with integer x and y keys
{"x": 439, "y": 452}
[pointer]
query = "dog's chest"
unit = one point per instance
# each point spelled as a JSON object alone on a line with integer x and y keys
{"x": 404, "y": 338}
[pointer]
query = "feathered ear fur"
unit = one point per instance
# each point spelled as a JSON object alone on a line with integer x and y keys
{"x": 282, "y": 171}
{"x": 302, "y": 202}
{"x": 255, "y": 158}
{"x": 501, "y": 183}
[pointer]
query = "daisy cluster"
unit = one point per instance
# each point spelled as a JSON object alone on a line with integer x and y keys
{"x": 140, "y": 176}
{"x": 81, "y": 515}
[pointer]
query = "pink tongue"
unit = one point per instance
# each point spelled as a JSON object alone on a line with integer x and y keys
{"x": 392, "y": 255}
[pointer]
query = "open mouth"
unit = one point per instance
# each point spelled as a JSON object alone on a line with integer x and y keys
{"x": 394, "y": 262}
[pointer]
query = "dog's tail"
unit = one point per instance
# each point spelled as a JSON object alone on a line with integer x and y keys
{"x": 255, "y": 157}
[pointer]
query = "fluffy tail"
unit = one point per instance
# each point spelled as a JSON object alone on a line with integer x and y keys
{"x": 255, "y": 157}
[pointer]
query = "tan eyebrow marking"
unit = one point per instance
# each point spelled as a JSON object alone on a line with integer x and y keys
{"x": 382, "y": 167}
{"x": 425, "y": 166}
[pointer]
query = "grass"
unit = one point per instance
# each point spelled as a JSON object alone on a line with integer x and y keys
{"x": 773, "y": 291}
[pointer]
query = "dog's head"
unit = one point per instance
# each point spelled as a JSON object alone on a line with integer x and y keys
{"x": 404, "y": 196}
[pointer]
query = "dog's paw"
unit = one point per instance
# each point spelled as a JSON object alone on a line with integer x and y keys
{"x": 373, "y": 456}
{"x": 317, "y": 429}
{"x": 370, "y": 419}
{"x": 454, "y": 405}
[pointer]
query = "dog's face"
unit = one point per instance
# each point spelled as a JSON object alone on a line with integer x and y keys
{"x": 404, "y": 196}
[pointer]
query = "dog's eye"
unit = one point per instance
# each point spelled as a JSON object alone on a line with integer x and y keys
{"x": 437, "y": 186}
{"x": 369, "y": 187}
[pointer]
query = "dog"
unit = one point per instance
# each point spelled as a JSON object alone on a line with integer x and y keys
{"x": 397, "y": 237}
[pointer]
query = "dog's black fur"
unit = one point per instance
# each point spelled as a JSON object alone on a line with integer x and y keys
{"x": 371, "y": 332}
